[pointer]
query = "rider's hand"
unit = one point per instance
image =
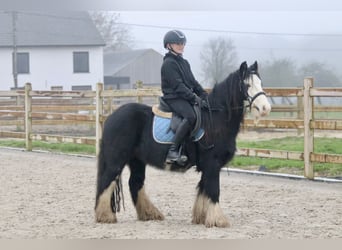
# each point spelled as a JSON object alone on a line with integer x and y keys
{"x": 204, "y": 104}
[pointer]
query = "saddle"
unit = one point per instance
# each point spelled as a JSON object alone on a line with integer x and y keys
{"x": 165, "y": 123}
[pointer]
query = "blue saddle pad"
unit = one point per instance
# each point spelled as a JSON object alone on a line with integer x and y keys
{"x": 162, "y": 132}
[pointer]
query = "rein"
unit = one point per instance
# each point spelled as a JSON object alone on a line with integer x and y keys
{"x": 211, "y": 125}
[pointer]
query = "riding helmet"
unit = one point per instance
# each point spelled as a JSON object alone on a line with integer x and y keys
{"x": 174, "y": 36}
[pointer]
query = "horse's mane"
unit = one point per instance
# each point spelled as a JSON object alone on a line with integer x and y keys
{"x": 227, "y": 92}
{"x": 228, "y": 95}
{"x": 226, "y": 98}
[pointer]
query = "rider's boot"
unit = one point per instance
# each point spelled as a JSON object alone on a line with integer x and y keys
{"x": 174, "y": 154}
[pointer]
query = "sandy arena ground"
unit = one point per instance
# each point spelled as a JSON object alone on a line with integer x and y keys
{"x": 51, "y": 196}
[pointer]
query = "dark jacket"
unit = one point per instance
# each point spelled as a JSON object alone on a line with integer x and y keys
{"x": 177, "y": 80}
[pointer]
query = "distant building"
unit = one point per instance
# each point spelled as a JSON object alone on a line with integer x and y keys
{"x": 54, "y": 50}
{"x": 122, "y": 70}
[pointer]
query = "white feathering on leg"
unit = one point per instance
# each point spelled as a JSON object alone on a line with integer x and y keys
{"x": 145, "y": 209}
{"x": 215, "y": 216}
{"x": 200, "y": 209}
{"x": 103, "y": 210}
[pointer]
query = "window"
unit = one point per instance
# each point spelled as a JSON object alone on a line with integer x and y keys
{"x": 81, "y": 62}
{"x": 80, "y": 87}
{"x": 23, "y": 63}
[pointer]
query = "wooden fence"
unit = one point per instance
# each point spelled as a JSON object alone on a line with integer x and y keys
{"x": 27, "y": 108}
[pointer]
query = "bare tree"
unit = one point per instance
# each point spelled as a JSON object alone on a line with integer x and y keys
{"x": 218, "y": 58}
{"x": 283, "y": 72}
{"x": 116, "y": 35}
{"x": 323, "y": 75}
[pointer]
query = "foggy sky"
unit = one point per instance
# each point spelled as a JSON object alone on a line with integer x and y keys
{"x": 174, "y": 5}
{"x": 302, "y": 36}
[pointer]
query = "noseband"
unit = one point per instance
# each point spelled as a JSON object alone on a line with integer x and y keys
{"x": 250, "y": 99}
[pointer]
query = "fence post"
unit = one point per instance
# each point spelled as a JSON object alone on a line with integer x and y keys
{"x": 18, "y": 102}
{"x": 28, "y": 116}
{"x": 99, "y": 115}
{"x": 308, "y": 131}
{"x": 139, "y": 85}
{"x": 110, "y": 102}
{"x": 300, "y": 113}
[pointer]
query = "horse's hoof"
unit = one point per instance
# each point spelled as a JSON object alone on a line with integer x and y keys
{"x": 154, "y": 215}
{"x": 105, "y": 217}
{"x": 222, "y": 222}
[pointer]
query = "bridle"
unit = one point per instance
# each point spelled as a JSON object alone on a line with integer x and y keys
{"x": 249, "y": 99}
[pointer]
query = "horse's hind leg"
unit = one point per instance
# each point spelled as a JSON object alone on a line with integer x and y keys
{"x": 103, "y": 210}
{"x": 144, "y": 207}
{"x": 206, "y": 209}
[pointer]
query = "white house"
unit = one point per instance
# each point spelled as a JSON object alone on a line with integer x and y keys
{"x": 53, "y": 49}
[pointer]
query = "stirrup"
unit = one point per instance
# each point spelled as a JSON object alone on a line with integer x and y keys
{"x": 172, "y": 159}
{"x": 180, "y": 159}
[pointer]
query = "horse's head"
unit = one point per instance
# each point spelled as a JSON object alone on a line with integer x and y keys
{"x": 252, "y": 88}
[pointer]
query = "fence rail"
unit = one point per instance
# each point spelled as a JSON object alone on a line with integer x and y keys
{"x": 29, "y": 108}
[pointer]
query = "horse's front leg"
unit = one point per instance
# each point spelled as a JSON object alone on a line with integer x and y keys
{"x": 144, "y": 207}
{"x": 206, "y": 209}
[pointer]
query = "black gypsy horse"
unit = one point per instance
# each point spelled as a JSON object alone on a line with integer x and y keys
{"x": 127, "y": 140}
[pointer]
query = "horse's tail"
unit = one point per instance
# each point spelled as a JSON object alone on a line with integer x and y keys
{"x": 113, "y": 186}
{"x": 116, "y": 196}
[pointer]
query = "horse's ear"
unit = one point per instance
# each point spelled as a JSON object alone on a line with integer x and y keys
{"x": 254, "y": 66}
{"x": 243, "y": 70}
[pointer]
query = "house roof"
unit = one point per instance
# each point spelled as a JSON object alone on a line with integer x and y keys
{"x": 49, "y": 29}
{"x": 115, "y": 61}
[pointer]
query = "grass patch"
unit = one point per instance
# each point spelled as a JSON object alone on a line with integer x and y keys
{"x": 321, "y": 145}
{"x": 70, "y": 148}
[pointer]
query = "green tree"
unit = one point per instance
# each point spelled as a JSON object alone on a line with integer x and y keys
{"x": 218, "y": 59}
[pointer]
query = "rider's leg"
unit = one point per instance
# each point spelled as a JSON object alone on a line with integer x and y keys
{"x": 183, "y": 129}
{"x": 185, "y": 110}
